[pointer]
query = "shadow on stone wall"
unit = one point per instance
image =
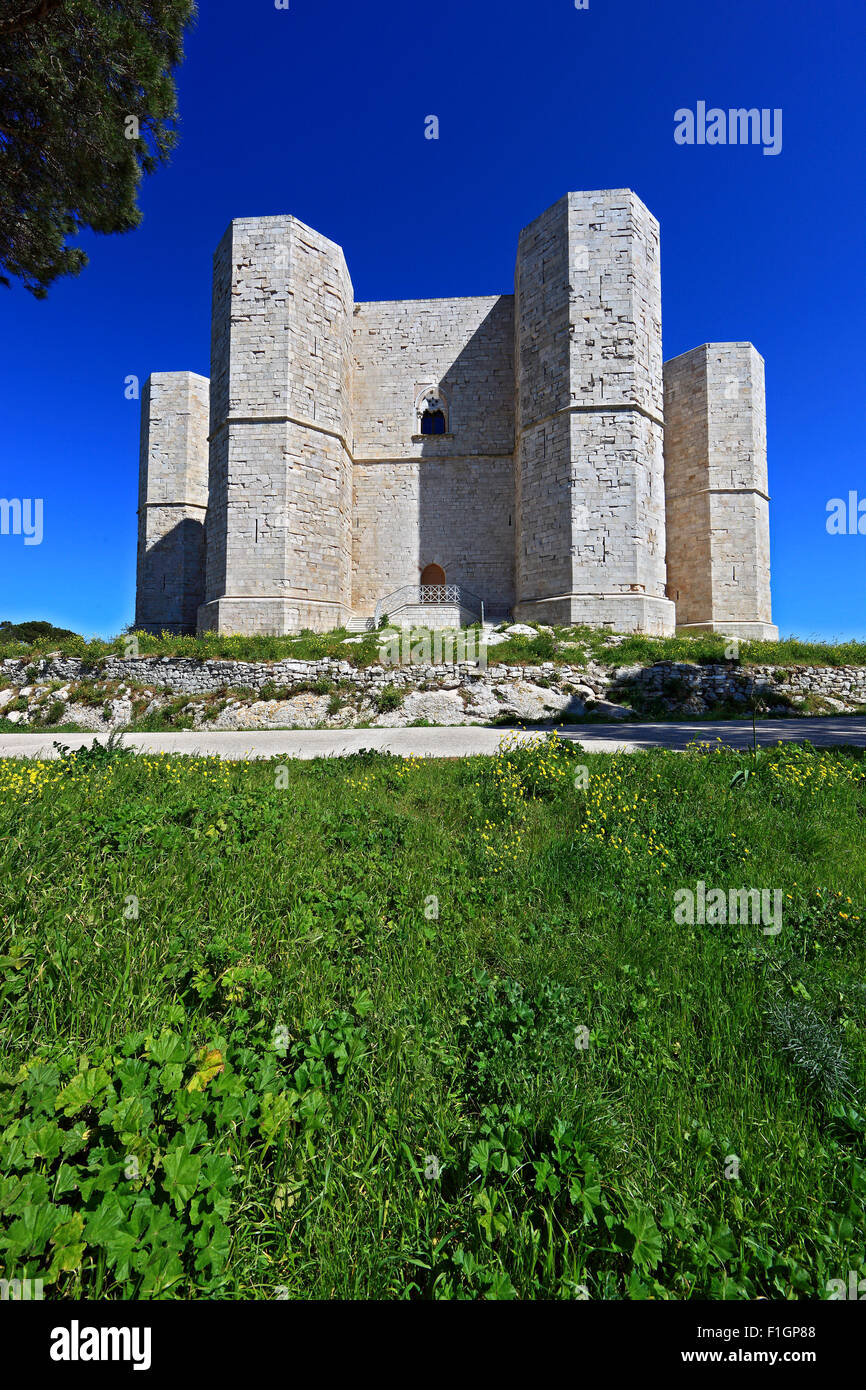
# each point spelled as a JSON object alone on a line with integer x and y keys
{"x": 173, "y": 584}
{"x": 671, "y": 686}
{"x": 467, "y": 521}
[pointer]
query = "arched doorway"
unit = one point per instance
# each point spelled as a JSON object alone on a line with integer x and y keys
{"x": 433, "y": 584}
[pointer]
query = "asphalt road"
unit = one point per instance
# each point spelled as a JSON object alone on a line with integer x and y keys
{"x": 455, "y": 742}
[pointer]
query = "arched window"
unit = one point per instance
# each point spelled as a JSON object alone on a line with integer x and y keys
{"x": 431, "y": 411}
{"x": 433, "y": 422}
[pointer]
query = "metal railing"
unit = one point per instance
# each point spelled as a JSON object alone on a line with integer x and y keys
{"x": 429, "y": 594}
{"x": 439, "y": 593}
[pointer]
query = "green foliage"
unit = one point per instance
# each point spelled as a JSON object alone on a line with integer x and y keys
{"x": 564, "y": 646}
{"x": 389, "y": 698}
{"x": 804, "y": 1038}
{"x": 35, "y": 632}
{"x": 53, "y": 712}
{"x": 544, "y": 647}
{"x": 73, "y": 75}
{"x": 308, "y": 646}
{"x": 95, "y": 758}
{"x": 240, "y": 1053}
{"x": 120, "y": 1170}
{"x": 173, "y": 715}
{"x": 713, "y": 648}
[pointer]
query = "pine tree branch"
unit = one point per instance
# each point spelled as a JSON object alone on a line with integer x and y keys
{"x": 15, "y": 24}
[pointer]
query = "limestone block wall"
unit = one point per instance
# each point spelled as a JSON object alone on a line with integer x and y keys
{"x": 279, "y": 520}
{"x": 457, "y": 513}
{"x": 689, "y": 563}
{"x": 589, "y": 456}
{"x": 437, "y": 499}
{"x": 173, "y": 499}
{"x": 556, "y": 489}
{"x": 680, "y": 686}
{"x": 716, "y": 482}
{"x": 544, "y": 487}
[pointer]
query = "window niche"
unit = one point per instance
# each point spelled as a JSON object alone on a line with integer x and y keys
{"x": 432, "y": 416}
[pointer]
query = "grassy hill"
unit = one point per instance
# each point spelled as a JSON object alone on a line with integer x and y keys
{"x": 381, "y": 1028}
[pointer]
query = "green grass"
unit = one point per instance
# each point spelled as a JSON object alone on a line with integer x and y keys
{"x": 789, "y": 651}
{"x": 311, "y": 646}
{"x": 7, "y": 727}
{"x": 307, "y": 646}
{"x": 317, "y": 1029}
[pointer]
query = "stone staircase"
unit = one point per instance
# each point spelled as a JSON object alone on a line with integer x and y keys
{"x": 437, "y": 615}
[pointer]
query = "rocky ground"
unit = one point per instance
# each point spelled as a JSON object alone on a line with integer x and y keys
{"x": 185, "y": 693}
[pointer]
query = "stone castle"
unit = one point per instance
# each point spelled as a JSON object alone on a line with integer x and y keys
{"x": 445, "y": 460}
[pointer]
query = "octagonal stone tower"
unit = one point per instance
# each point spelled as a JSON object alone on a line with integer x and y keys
{"x": 173, "y": 501}
{"x": 589, "y": 462}
{"x": 717, "y": 498}
{"x": 279, "y": 548}
{"x": 565, "y": 476}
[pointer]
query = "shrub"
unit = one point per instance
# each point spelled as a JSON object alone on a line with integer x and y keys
{"x": 809, "y": 1045}
{"x": 389, "y": 698}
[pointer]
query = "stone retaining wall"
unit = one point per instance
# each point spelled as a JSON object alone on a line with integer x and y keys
{"x": 445, "y": 694}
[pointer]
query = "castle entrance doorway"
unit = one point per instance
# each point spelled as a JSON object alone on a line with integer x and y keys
{"x": 433, "y": 584}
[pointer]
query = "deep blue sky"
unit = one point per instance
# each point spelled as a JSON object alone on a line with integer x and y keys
{"x": 319, "y": 111}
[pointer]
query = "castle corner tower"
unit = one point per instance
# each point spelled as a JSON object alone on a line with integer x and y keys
{"x": 279, "y": 545}
{"x": 717, "y": 500}
{"x": 589, "y": 464}
{"x": 173, "y": 500}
